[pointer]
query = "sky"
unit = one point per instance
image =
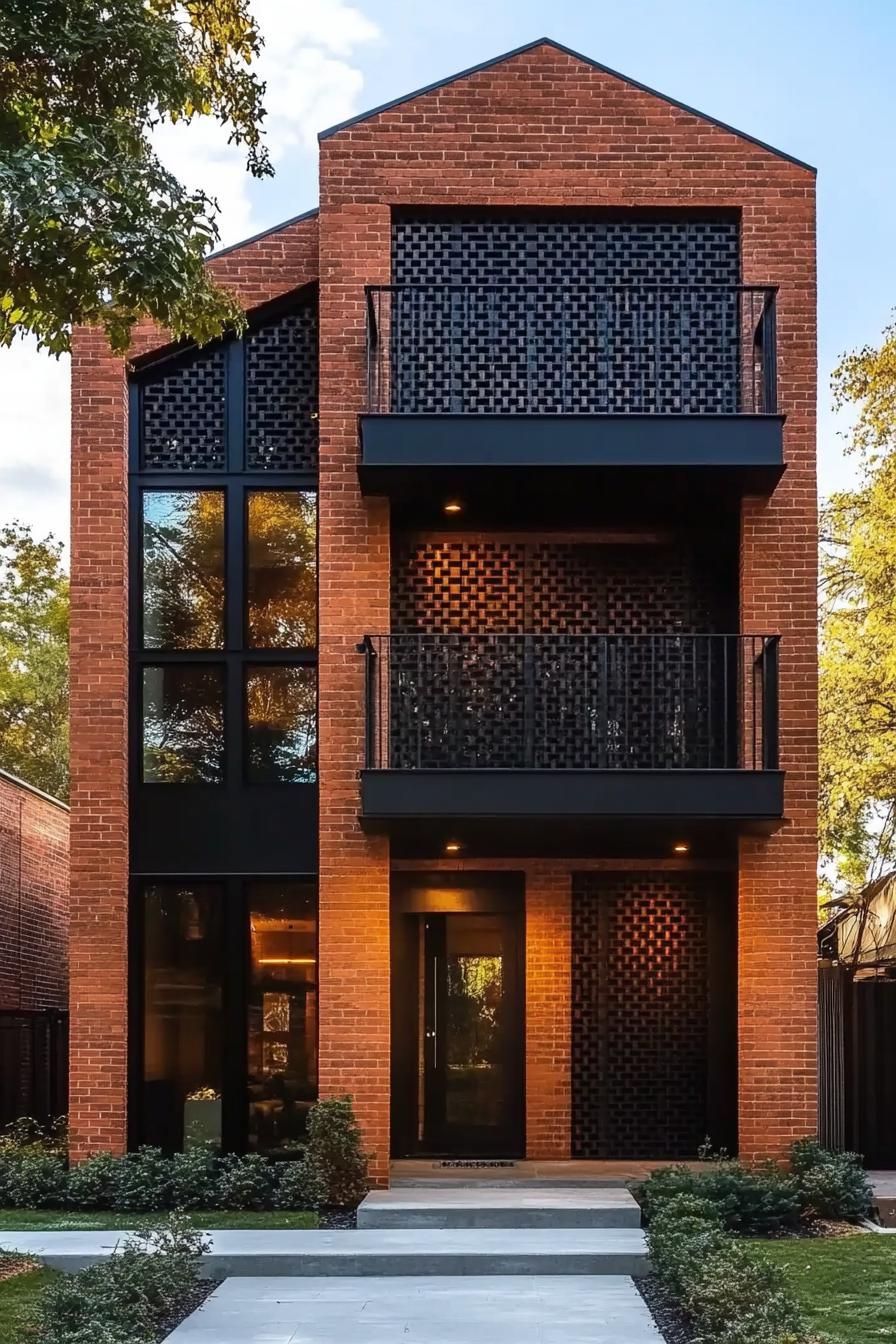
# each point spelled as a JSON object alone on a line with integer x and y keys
{"x": 816, "y": 78}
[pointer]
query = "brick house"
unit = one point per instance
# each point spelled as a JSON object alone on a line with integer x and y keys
{"x": 443, "y": 650}
{"x": 34, "y": 915}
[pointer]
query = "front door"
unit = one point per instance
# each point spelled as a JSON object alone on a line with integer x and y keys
{"x": 460, "y": 1094}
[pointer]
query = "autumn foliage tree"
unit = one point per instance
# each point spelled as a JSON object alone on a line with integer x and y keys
{"x": 33, "y": 660}
{"x": 858, "y": 633}
{"x": 93, "y": 228}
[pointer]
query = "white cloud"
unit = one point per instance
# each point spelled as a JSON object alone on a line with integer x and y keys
{"x": 34, "y": 454}
{"x": 312, "y": 83}
{"x": 308, "y": 61}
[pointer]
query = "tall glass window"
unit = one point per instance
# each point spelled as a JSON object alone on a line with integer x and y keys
{"x": 282, "y": 1012}
{"x": 183, "y": 724}
{"x": 281, "y": 564}
{"x": 182, "y": 1025}
{"x": 183, "y": 569}
{"x": 281, "y": 714}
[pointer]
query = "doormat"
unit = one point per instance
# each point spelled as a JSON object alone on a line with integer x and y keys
{"x": 476, "y": 1162}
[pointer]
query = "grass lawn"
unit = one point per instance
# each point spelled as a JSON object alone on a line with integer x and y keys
{"x": 61, "y": 1220}
{"x": 846, "y": 1285}
{"x": 18, "y": 1297}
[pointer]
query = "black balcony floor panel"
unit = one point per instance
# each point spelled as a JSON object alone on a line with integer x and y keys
{"x": 754, "y": 799}
{"x": 742, "y": 452}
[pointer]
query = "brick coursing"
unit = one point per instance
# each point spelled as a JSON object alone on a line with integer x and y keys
{"x": 33, "y": 898}
{"x": 539, "y": 129}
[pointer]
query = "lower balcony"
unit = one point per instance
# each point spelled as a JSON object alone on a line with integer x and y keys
{"x": 572, "y": 729}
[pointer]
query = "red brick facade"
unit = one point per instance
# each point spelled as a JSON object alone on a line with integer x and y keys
{"x": 541, "y": 128}
{"x": 33, "y": 897}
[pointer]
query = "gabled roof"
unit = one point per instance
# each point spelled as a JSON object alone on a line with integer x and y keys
{"x": 576, "y": 55}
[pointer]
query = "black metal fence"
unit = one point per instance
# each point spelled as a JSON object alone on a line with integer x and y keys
{"x": 559, "y": 701}
{"x": 616, "y": 349}
{"x": 33, "y": 1064}
{"x": 857, "y": 1064}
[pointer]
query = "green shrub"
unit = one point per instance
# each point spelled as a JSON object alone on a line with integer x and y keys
{"x": 300, "y": 1185}
{"x": 829, "y": 1184}
{"x": 34, "y": 1179}
{"x": 128, "y": 1298}
{"x": 193, "y": 1179}
{"x": 335, "y": 1152}
{"x": 682, "y": 1229}
{"x": 748, "y": 1200}
{"x": 93, "y": 1183}
{"x": 143, "y": 1184}
{"x": 244, "y": 1182}
{"x": 736, "y": 1297}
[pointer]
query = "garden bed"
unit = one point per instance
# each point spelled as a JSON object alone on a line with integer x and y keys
{"x": 714, "y": 1280}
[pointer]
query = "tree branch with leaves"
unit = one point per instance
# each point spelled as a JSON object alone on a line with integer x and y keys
{"x": 93, "y": 228}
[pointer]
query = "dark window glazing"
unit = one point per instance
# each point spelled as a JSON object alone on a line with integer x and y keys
{"x": 281, "y": 717}
{"x": 183, "y": 724}
{"x": 183, "y": 569}
{"x": 281, "y": 560}
{"x": 182, "y": 1024}
{"x": 282, "y": 1012}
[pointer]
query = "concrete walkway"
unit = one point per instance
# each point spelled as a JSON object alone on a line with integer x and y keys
{"x": 449, "y": 1310}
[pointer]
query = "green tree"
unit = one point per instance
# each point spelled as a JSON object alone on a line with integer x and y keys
{"x": 93, "y": 228}
{"x": 33, "y": 660}
{"x": 858, "y": 632}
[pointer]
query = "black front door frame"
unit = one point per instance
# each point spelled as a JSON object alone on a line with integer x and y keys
{"x": 416, "y": 1090}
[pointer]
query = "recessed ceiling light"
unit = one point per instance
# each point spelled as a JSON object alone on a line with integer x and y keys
{"x": 452, "y": 847}
{"x": 453, "y": 506}
{"x": 681, "y": 848}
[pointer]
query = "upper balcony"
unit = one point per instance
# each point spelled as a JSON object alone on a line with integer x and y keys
{"x": 568, "y": 730}
{"x": 466, "y": 381}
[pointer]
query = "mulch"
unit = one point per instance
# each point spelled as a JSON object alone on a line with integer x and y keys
{"x": 671, "y": 1321}
{"x": 197, "y": 1295}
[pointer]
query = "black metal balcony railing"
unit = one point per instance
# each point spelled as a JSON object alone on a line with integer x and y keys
{"x": 530, "y": 350}
{"x": 571, "y": 702}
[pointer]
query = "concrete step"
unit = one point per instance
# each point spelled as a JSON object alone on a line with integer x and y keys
{"x": 501, "y": 1310}
{"x": 375, "y": 1251}
{"x": 510, "y": 1206}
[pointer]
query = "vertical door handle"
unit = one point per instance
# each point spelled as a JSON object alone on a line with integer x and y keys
{"x": 435, "y": 1012}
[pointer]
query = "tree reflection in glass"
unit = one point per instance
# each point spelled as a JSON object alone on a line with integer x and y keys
{"x": 282, "y": 569}
{"x": 281, "y": 708}
{"x": 183, "y": 569}
{"x": 183, "y": 724}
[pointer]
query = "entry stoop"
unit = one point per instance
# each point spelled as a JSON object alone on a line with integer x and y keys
{"x": 507, "y": 1207}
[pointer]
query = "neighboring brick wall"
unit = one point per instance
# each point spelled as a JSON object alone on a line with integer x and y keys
{"x": 258, "y": 272}
{"x": 33, "y": 897}
{"x": 545, "y": 129}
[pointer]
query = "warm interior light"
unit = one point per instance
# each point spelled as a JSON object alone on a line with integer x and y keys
{"x": 452, "y": 847}
{"x": 287, "y": 961}
{"x": 453, "y": 506}
{"x": 681, "y": 848}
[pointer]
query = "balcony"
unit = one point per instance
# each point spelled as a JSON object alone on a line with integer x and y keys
{"x": 567, "y": 728}
{"x": 464, "y": 382}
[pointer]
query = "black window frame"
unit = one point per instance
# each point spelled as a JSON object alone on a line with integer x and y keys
{"x": 236, "y": 972}
{"x": 236, "y": 481}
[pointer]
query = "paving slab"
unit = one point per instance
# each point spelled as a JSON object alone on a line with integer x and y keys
{"x": 386, "y": 1251}
{"x": 507, "y": 1206}
{"x": 449, "y": 1310}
